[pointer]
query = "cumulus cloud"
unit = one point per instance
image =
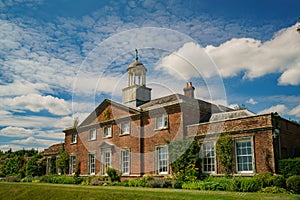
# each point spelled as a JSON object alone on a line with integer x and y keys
{"x": 255, "y": 58}
{"x": 295, "y": 111}
{"x": 37, "y": 103}
{"x": 189, "y": 61}
{"x": 281, "y": 109}
{"x": 251, "y": 101}
{"x": 16, "y": 132}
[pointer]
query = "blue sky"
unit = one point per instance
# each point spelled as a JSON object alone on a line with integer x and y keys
{"x": 60, "y": 58}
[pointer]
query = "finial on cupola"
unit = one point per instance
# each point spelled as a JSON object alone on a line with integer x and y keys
{"x": 136, "y": 55}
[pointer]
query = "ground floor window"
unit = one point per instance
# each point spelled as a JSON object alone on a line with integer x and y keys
{"x": 244, "y": 155}
{"x": 106, "y": 160}
{"x": 125, "y": 161}
{"x": 92, "y": 164}
{"x": 162, "y": 160}
{"x": 73, "y": 164}
{"x": 208, "y": 157}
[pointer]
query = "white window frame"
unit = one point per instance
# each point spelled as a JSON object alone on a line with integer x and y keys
{"x": 74, "y": 138}
{"x": 208, "y": 152}
{"x": 92, "y": 134}
{"x": 162, "y": 160}
{"x": 106, "y": 162}
{"x": 244, "y": 154}
{"x": 125, "y": 161}
{"x": 92, "y": 163}
{"x": 161, "y": 122}
{"x": 107, "y": 131}
{"x": 73, "y": 163}
{"x": 125, "y": 128}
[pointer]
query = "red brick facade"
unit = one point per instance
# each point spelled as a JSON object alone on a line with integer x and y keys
{"x": 134, "y": 140}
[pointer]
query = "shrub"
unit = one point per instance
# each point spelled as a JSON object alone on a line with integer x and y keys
{"x": 293, "y": 184}
{"x": 263, "y": 180}
{"x": 289, "y": 167}
{"x": 58, "y": 179}
{"x": 97, "y": 180}
{"x": 113, "y": 174}
{"x": 278, "y": 181}
{"x": 248, "y": 185}
{"x": 273, "y": 189}
{"x": 12, "y": 179}
{"x": 160, "y": 183}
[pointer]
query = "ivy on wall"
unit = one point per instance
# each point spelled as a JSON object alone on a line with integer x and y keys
{"x": 224, "y": 150}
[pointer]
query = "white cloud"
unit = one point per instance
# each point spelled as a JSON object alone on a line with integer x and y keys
{"x": 281, "y": 109}
{"x": 16, "y": 132}
{"x": 251, "y": 101}
{"x": 295, "y": 111}
{"x": 256, "y": 59}
{"x": 189, "y": 61}
{"x": 36, "y": 103}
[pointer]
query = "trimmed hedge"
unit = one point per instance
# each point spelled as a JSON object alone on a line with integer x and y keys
{"x": 293, "y": 184}
{"x": 289, "y": 167}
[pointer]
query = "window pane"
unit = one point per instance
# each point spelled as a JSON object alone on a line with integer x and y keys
{"x": 244, "y": 155}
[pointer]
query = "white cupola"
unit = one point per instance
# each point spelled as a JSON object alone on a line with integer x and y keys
{"x": 136, "y": 93}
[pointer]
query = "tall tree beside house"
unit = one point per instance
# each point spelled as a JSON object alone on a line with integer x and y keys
{"x": 63, "y": 161}
{"x": 36, "y": 166}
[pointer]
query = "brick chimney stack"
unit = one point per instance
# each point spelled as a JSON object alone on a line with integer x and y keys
{"x": 189, "y": 90}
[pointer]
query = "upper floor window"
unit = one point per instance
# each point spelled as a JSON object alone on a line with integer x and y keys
{"x": 107, "y": 131}
{"x": 161, "y": 122}
{"x": 92, "y": 134}
{"x": 74, "y": 138}
{"x": 244, "y": 155}
{"x": 125, "y": 128}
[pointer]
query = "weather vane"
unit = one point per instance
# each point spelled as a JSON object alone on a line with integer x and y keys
{"x": 136, "y": 55}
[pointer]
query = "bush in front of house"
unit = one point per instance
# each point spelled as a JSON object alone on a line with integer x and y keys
{"x": 274, "y": 190}
{"x": 113, "y": 174}
{"x": 278, "y": 181}
{"x": 293, "y": 184}
{"x": 61, "y": 179}
{"x": 289, "y": 167}
{"x": 263, "y": 180}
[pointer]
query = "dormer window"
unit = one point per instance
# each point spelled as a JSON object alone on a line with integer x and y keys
{"x": 125, "y": 128}
{"x": 107, "y": 131}
{"x": 161, "y": 122}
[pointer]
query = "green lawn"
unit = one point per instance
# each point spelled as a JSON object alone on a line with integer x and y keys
{"x": 35, "y": 191}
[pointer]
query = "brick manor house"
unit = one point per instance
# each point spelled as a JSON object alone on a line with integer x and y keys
{"x": 133, "y": 136}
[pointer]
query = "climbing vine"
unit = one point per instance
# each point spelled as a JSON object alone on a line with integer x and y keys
{"x": 224, "y": 148}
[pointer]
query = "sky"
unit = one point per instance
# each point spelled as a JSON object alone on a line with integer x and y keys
{"x": 61, "y": 58}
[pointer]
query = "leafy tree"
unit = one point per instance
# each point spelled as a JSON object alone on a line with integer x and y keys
{"x": 63, "y": 161}
{"x": 53, "y": 167}
{"x": 36, "y": 166}
{"x": 14, "y": 166}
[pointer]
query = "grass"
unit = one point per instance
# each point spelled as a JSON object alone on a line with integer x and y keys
{"x": 32, "y": 191}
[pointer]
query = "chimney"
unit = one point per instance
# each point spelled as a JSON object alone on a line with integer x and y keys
{"x": 189, "y": 90}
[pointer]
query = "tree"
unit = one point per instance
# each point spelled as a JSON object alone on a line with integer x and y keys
{"x": 36, "y": 166}
{"x": 14, "y": 166}
{"x": 63, "y": 161}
